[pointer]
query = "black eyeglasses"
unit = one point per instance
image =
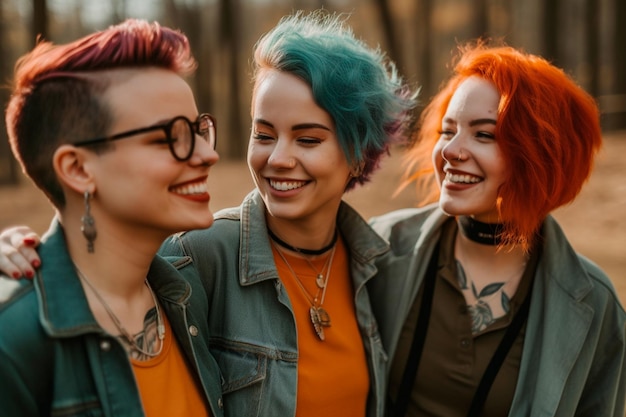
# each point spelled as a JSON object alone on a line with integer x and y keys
{"x": 180, "y": 134}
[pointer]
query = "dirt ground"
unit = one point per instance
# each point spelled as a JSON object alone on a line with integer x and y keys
{"x": 594, "y": 222}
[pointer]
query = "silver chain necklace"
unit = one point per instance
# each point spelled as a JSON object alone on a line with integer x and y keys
{"x": 118, "y": 324}
{"x": 319, "y": 316}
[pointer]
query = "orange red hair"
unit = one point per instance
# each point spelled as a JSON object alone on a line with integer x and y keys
{"x": 548, "y": 130}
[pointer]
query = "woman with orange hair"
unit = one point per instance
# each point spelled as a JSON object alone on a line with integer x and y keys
{"x": 486, "y": 307}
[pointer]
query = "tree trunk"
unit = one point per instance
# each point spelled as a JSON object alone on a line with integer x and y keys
{"x": 550, "y": 30}
{"x": 8, "y": 165}
{"x": 618, "y": 119}
{"x": 388, "y": 32}
{"x": 482, "y": 19}
{"x": 592, "y": 38}
{"x": 230, "y": 41}
{"x": 40, "y": 20}
{"x": 423, "y": 51}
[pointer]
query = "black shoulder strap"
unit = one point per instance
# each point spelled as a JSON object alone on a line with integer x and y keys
{"x": 410, "y": 372}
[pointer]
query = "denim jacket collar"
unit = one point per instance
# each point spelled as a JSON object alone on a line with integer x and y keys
{"x": 64, "y": 308}
{"x": 363, "y": 243}
{"x": 65, "y": 311}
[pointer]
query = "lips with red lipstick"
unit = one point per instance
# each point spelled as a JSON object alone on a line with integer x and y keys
{"x": 196, "y": 189}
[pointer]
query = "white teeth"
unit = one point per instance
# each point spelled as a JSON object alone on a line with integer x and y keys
{"x": 189, "y": 189}
{"x": 462, "y": 179}
{"x": 286, "y": 185}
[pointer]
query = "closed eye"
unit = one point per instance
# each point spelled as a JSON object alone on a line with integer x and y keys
{"x": 161, "y": 139}
{"x": 485, "y": 135}
{"x": 262, "y": 136}
{"x": 446, "y": 134}
{"x": 309, "y": 141}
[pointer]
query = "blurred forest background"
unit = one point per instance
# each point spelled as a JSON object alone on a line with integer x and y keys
{"x": 585, "y": 37}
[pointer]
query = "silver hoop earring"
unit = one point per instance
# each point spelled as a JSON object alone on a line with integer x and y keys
{"x": 88, "y": 224}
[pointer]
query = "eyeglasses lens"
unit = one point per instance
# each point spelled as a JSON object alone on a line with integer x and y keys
{"x": 206, "y": 129}
{"x": 181, "y": 136}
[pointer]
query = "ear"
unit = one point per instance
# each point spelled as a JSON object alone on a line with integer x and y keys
{"x": 357, "y": 169}
{"x": 73, "y": 169}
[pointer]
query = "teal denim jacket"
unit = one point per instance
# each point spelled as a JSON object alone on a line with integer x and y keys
{"x": 574, "y": 354}
{"x": 251, "y": 322}
{"x": 55, "y": 360}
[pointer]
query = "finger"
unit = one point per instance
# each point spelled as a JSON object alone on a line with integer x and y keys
{"x": 14, "y": 264}
{"x": 24, "y": 240}
{"x": 27, "y": 250}
{"x": 31, "y": 239}
{"x": 17, "y": 235}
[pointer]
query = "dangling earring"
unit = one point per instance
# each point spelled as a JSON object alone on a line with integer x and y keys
{"x": 88, "y": 224}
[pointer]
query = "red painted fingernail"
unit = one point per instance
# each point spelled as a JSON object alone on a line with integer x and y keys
{"x": 16, "y": 275}
{"x": 29, "y": 274}
{"x": 29, "y": 241}
{"x": 36, "y": 263}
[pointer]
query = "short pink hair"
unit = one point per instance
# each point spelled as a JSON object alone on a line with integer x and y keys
{"x": 55, "y": 100}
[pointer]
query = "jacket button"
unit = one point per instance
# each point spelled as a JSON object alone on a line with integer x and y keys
{"x": 193, "y": 330}
{"x": 105, "y": 345}
{"x": 220, "y": 403}
{"x": 465, "y": 343}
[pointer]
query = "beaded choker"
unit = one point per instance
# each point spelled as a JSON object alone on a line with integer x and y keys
{"x": 302, "y": 250}
{"x": 479, "y": 232}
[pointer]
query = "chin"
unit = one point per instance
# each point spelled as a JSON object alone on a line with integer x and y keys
{"x": 199, "y": 222}
{"x": 449, "y": 207}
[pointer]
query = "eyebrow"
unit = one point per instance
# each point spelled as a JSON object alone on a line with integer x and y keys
{"x": 482, "y": 122}
{"x": 301, "y": 126}
{"x": 473, "y": 123}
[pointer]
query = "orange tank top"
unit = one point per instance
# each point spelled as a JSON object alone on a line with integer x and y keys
{"x": 166, "y": 385}
{"x": 333, "y": 379}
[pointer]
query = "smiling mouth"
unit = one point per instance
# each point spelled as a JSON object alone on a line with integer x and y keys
{"x": 462, "y": 179}
{"x": 191, "y": 189}
{"x": 286, "y": 185}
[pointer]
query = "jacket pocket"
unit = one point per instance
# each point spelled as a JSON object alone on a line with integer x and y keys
{"x": 244, "y": 368}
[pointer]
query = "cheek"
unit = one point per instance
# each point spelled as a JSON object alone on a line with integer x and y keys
{"x": 497, "y": 166}
{"x": 256, "y": 156}
{"x": 437, "y": 160}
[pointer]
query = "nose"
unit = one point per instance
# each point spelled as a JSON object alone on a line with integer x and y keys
{"x": 453, "y": 149}
{"x": 203, "y": 153}
{"x": 281, "y": 156}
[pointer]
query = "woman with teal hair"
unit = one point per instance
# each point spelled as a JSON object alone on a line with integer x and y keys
{"x": 285, "y": 272}
{"x": 290, "y": 319}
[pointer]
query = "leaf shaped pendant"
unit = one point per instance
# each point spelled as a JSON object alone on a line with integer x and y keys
{"x": 320, "y": 319}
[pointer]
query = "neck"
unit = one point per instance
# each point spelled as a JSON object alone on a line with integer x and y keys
{"x": 479, "y": 232}
{"x": 488, "y": 260}
{"x": 304, "y": 251}
{"x": 304, "y": 239}
{"x": 120, "y": 261}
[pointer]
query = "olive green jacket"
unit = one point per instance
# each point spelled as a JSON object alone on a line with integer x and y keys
{"x": 573, "y": 362}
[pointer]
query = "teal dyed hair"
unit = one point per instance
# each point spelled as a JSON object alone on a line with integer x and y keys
{"x": 357, "y": 85}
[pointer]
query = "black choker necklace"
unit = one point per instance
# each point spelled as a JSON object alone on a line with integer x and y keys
{"x": 479, "y": 232}
{"x": 302, "y": 250}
